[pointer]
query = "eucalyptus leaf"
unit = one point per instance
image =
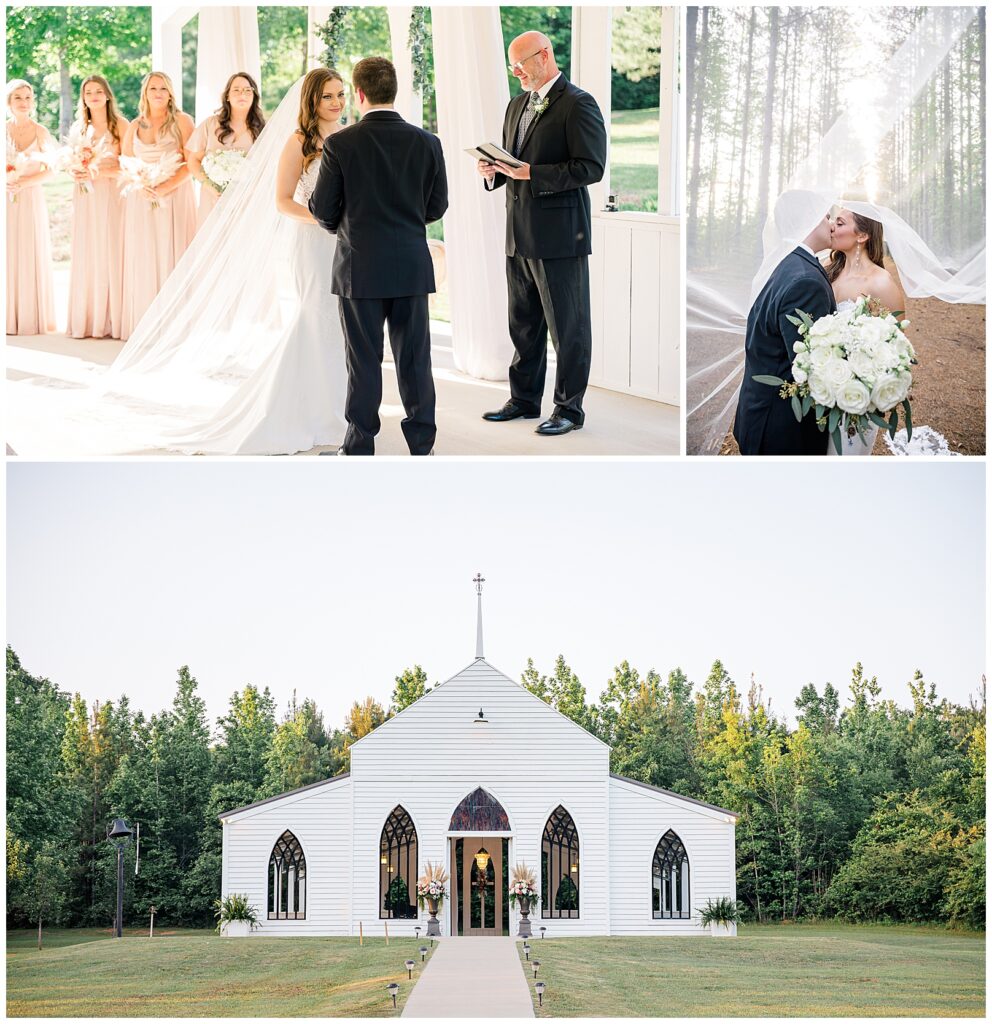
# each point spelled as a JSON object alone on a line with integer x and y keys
{"x": 837, "y": 441}
{"x": 893, "y": 423}
{"x": 879, "y": 421}
{"x": 797, "y": 408}
{"x": 794, "y": 320}
{"x": 833, "y": 419}
{"x": 807, "y": 404}
{"x": 819, "y": 411}
{"x": 767, "y": 378}
{"x": 908, "y": 410}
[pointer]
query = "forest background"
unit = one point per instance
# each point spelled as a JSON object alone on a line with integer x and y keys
{"x": 863, "y": 810}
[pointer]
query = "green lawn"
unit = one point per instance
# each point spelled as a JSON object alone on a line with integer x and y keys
{"x": 634, "y": 158}
{"x": 198, "y": 974}
{"x": 767, "y": 971}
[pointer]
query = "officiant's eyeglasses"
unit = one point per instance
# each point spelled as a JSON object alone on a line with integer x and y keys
{"x": 519, "y": 65}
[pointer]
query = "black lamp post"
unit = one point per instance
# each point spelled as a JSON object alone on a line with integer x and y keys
{"x": 392, "y": 988}
{"x": 539, "y": 989}
{"x": 423, "y": 953}
{"x": 119, "y": 835}
{"x": 537, "y": 966}
{"x": 409, "y": 965}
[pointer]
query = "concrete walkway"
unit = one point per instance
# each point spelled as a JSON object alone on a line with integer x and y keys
{"x": 477, "y": 977}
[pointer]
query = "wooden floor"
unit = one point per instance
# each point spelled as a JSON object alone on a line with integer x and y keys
{"x": 48, "y": 375}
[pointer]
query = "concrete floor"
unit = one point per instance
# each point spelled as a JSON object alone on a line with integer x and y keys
{"x": 472, "y": 977}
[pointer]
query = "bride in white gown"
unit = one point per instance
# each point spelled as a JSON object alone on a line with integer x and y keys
{"x": 219, "y": 364}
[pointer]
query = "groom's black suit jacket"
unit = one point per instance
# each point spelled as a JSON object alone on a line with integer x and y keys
{"x": 549, "y": 216}
{"x": 381, "y": 182}
{"x": 765, "y": 423}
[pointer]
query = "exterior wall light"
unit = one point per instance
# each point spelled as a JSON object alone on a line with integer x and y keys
{"x": 481, "y": 719}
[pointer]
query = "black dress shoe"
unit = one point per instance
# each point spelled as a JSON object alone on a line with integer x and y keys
{"x": 557, "y": 425}
{"x": 510, "y": 411}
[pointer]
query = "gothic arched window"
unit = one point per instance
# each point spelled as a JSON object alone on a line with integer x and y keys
{"x": 479, "y": 812}
{"x": 287, "y": 879}
{"x": 670, "y": 878}
{"x": 398, "y": 866}
{"x": 560, "y": 866}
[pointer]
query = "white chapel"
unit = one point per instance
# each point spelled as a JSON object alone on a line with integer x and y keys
{"x": 480, "y": 775}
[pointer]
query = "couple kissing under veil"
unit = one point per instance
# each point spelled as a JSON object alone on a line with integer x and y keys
{"x": 243, "y": 350}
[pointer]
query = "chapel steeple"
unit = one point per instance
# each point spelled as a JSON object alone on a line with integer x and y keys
{"x": 478, "y": 581}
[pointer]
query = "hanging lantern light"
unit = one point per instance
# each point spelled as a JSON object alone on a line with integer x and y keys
{"x": 482, "y": 859}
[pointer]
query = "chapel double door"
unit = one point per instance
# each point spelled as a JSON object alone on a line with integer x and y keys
{"x": 482, "y": 895}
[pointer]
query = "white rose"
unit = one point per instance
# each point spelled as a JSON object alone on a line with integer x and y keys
{"x": 836, "y": 372}
{"x": 800, "y": 346}
{"x": 890, "y": 389}
{"x": 886, "y": 357}
{"x": 820, "y": 391}
{"x": 819, "y": 357}
{"x": 861, "y": 365}
{"x": 872, "y": 329}
{"x": 853, "y": 397}
{"x": 903, "y": 346}
{"x": 798, "y": 373}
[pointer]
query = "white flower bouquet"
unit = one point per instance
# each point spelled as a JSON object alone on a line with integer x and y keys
{"x": 853, "y": 369}
{"x": 82, "y": 154}
{"x": 16, "y": 162}
{"x": 137, "y": 175}
{"x": 432, "y": 885}
{"x": 222, "y": 166}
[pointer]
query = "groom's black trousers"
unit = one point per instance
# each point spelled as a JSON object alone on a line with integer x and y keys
{"x": 410, "y": 339}
{"x": 550, "y": 295}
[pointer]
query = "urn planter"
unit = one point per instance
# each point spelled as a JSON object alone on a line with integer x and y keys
{"x": 237, "y": 929}
{"x": 524, "y": 931}
{"x": 722, "y": 930}
{"x": 433, "y": 925}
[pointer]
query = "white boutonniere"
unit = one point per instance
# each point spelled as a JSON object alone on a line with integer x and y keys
{"x": 540, "y": 106}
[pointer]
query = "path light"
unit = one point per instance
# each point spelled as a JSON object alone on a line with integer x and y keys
{"x": 409, "y": 965}
{"x": 417, "y": 928}
{"x": 543, "y": 930}
{"x": 537, "y": 966}
{"x": 527, "y": 950}
{"x": 392, "y": 988}
{"x": 423, "y": 953}
{"x": 539, "y": 989}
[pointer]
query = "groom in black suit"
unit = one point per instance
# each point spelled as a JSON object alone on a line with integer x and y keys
{"x": 558, "y": 130}
{"x": 382, "y": 181}
{"x": 765, "y": 423}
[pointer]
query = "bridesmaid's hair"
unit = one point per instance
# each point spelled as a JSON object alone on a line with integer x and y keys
{"x": 255, "y": 118}
{"x": 171, "y": 124}
{"x": 309, "y": 122}
{"x": 874, "y": 246}
{"x": 18, "y": 83}
{"x": 113, "y": 114}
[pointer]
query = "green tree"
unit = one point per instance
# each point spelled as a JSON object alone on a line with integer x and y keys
{"x": 410, "y": 686}
{"x": 41, "y": 893}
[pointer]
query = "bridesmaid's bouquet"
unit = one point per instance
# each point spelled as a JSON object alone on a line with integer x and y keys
{"x": 16, "y": 162}
{"x": 137, "y": 174}
{"x": 222, "y": 166}
{"x": 81, "y": 154}
{"x": 853, "y": 368}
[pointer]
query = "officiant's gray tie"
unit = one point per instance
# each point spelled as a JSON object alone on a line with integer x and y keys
{"x": 525, "y": 120}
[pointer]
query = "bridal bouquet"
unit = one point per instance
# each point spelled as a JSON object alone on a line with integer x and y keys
{"x": 82, "y": 155}
{"x": 853, "y": 368}
{"x": 137, "y": 175}
{"x": 221, "y": 166}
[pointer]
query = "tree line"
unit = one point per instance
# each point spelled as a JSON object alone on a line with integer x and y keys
{"x": 866, "y": 811}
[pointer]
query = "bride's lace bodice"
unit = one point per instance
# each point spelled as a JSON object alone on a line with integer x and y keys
{"x": 845, "y": 304}
{"x": 308, "y": 182}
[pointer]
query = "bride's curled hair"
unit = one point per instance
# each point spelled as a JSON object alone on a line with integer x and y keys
{"x": 874, "y": 246}
{"x": 309, "y": 121}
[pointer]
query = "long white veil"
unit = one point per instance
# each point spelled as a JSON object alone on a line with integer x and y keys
{"x": 220, "y": 312}
{"x": 862, "y": 151}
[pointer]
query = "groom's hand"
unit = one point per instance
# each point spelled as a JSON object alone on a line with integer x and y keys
{"x": 486, "y": 169}
{"x": 521, "y": 173}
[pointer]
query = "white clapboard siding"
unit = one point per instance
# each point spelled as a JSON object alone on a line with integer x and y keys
{"x": 639, "y": 817}
{"x": 320, "y": 817}
{"x": 636, "y": 298}
{"x": 527, "y": 755}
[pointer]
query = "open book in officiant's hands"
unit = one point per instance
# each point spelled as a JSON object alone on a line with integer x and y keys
{"x": 491, "y": 153}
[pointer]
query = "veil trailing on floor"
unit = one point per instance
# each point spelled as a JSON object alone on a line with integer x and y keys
{"x": 892, "y": 143}
{"x": 220, "y": 312}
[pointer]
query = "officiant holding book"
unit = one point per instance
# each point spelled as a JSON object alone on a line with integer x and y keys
{"x": 557, "y": 134}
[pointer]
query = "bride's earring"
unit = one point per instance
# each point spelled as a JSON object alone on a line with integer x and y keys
{"x": 857, "y": 258}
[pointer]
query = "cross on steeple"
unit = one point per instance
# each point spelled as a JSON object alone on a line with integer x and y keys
{"x": 478, "y": 581}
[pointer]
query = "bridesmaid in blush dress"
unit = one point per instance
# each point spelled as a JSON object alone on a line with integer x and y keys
{"x": 159, "y": 223}
{"x": 236, "y": 125}
{"x": 30, "y": 286}
{"x": 96, "y": 271}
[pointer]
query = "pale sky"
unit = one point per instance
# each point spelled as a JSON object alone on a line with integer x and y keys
{"x": 332, "y": 578}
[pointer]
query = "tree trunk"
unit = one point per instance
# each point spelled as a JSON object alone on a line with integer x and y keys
{"x": 745, "y": 126}
{"x": 65, "y": 96}
{"x": 765, "y": 167}
{"x": 39, "y": 931}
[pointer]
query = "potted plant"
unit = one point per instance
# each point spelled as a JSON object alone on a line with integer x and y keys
{"x": 523, "y": 888}
{"x": 432, "y": 892}
{"x": 236, "y": 917}
{"x": 721, "y": 916}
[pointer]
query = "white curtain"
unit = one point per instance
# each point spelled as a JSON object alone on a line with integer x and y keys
{"x": 472, "y": 94}
{"x": 883, "y": 105}
{"x": 227, "y": 41}
{"x": 409, "y": 101}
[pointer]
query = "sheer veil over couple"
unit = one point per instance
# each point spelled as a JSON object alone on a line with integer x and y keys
{"x": 217, "y": 366}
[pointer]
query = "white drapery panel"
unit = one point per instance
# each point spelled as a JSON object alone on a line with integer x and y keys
{"x": 472, "y": 94}
{"x": 409, "y": 101}
{"x": 227, "y": 41}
